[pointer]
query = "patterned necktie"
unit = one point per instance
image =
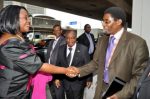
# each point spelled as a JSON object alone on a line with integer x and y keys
{"x": 107, "y": 58}
{"x": 69, "y": 56}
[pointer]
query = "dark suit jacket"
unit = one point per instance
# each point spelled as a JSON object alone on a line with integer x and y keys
{"x": 128, "y": 62}
{"x": 60, "y": 42}
{"x": 80, "y": 58}
{"x": 82, "y": 39}
{"x": 143, "y": 87}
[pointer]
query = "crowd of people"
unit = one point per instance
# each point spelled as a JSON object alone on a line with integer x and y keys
{"x": 71, "y": 61}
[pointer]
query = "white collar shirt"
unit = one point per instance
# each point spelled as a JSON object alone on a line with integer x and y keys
{"x": 91, "y": 48}
{"x": 117, "y": 38}
{"x": 55, "y": 42}
{"x": 72, "y": 52}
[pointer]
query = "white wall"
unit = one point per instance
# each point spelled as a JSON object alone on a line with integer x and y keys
{"x": 141, "y": 19}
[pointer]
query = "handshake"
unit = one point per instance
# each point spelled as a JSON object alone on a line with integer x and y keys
{"x": 72, "y": 71}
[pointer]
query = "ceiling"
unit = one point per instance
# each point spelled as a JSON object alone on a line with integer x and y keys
{"x": 88, "y": 8}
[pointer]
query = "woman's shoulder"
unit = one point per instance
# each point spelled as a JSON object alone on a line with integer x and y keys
{"x": 15, "y": 43}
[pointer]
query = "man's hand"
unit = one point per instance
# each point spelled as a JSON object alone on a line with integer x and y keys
{"x": 88, "y": 84}
{"x": 57, "y": 83}
{"x": 72, "y": 71}
{"x": 113, "y": 97}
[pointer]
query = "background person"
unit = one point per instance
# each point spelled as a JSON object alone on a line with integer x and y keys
{"x": 52, "y": 54}
{"x": 143, "y": 87}
{"x": 77, "y": 55}
{"x": 87, "y": 39}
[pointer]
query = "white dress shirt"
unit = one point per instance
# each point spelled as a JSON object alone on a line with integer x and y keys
{"x": 72, "y": 52}
{"x": 117, "y": 38}
{"x": 91, "y": 48}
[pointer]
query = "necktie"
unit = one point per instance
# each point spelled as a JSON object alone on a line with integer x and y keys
{"x": 107, "y": 58}
{"x": 69, "y": 56}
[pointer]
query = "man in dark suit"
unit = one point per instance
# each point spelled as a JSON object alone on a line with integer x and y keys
{"x": 118, "y": 54}
{"x": 143, "y": 87}
{"x": 72, "y": 54}
{"x": 52, "y": 53}
{"x": 87, "y": 39}
{"x": 54, "y": 45}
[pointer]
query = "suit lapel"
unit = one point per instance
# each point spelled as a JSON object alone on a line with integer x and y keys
{"x": 86, "y": 39}
{"x": 65, "y": 55}
{"x": 119, "y": 46}
{"x": 50, "y": 47}
{"x": 76, "y": 55}
{"x": 57, "y": 44}
{"x": 103, "y": 48}
{"x": 51, "y": 44}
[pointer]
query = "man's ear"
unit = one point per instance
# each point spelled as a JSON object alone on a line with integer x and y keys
{"x": 119, "y": 21}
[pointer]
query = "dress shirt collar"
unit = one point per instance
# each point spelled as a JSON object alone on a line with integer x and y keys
{"x": 57, "y": 39}
{"x": 118, "y": 34}
{"x": 72, "y": 52}
{"x": 87, "y": 33}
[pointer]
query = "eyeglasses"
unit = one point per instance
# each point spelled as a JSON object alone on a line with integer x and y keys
{"x": 107, "y": 22}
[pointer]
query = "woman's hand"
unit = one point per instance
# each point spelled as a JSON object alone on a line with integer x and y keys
{"x": 72, "y": 71}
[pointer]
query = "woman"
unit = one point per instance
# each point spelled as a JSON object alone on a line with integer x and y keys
{"x": 17, "y": 58}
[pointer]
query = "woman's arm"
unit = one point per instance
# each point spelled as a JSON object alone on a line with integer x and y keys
{"x": 49, "y": 68}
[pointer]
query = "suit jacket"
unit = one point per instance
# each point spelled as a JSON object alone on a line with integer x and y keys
{"x": 60, "y": 42}
{"x": 80, "y": 58}
{"x": 143, "y": 87}
{"x": 83, "y": 39}
{"x": 128, "y": 62}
